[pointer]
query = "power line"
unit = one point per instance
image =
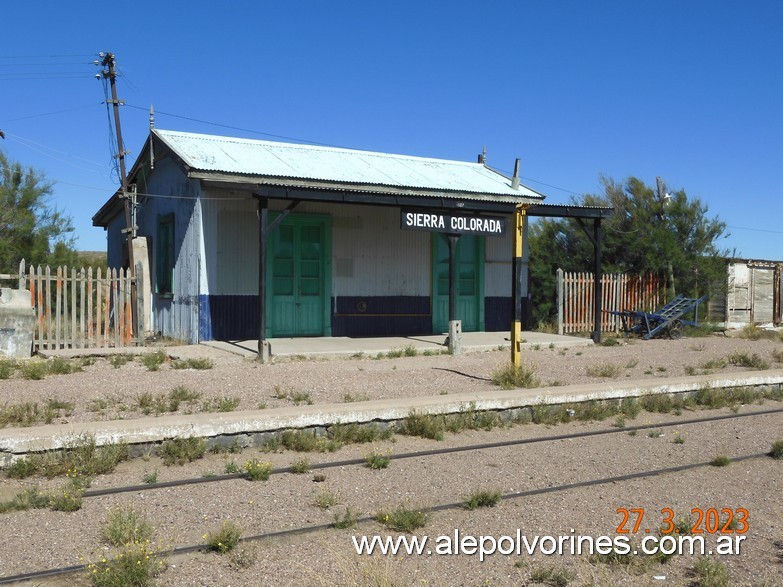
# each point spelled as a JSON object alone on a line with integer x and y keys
{"x": 50, "y": 113}
{"x": 29, "y": 142}
{"x": 46, "y": 73}
{"x": 248, "y": 130}
{"x": 39, "y": 64}
{"x": 28, "y": 77}
{"x": 42, "y": 150}
{"x": 27, "y": 56}
{"x": 554, "y": 187}
{"x": 755, "y": 229}
{"x": 160, "y": 196}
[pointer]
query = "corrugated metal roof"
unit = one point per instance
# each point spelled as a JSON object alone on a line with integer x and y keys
{"x": 267, "y": 159}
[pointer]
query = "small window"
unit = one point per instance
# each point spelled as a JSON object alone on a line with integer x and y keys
{"x": 164, "y": 270}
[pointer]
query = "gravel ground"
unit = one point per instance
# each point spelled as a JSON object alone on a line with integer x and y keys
{"x": 101, "y": 391}
{"x": 40, "y": 539}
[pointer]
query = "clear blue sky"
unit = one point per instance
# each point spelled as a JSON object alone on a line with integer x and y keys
{"x": 689, "y": 91}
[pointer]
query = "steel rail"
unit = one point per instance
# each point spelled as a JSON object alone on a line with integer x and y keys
{"x": 429, "y": 453}
{"x": 437, "y": 508}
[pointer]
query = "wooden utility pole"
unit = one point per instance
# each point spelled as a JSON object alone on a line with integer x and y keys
{"x": 110, "y": 73}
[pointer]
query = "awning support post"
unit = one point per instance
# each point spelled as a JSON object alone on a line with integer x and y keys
{"x": 455, "y": 326}
{"x": 595, "y": 238}
{"x": 518, "y": 284}
{"x": 597, "y": 298}
{"x": 263, "y": 230}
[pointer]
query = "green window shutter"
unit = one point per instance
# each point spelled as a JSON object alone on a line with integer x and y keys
{"x": 164, "y": 254}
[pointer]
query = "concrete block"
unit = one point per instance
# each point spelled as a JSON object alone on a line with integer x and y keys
{"x": 17, "y": 319}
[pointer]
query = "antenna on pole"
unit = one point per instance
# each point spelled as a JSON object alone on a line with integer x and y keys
{"x": 152, "y": 147}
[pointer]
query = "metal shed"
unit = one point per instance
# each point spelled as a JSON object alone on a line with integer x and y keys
{"x": 753, "y": 292}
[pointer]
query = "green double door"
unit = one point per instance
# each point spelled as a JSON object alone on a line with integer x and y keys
{"x": 298, "y": 277}
{"x": 470, "y": 283}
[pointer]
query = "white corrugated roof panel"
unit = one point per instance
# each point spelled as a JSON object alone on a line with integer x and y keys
{"x": 267, "y": 159}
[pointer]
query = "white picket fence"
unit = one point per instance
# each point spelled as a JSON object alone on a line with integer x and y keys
{"x": 80, "y": 308}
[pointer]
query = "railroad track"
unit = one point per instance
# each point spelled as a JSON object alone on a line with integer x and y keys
{"x": 433, "y": 452}
{"x": 61, "y": 571}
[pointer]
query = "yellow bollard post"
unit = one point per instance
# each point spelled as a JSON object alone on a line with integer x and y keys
{"x": 517, "y": 286}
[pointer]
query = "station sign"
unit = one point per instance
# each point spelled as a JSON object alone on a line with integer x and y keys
{"x": 452, "y": 223}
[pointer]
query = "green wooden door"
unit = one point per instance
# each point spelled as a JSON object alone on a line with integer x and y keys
{"x": 470, "y": 283}
{"x": 298, "y": 278}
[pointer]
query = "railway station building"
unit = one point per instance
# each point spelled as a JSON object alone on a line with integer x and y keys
{"x": 338, "y": 242}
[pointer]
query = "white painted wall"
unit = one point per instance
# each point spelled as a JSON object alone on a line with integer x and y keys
{"x": 498, "y": 252}
{"x": 371, "y": 255}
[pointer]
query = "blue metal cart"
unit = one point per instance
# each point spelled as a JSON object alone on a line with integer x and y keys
{"x": 668, "y": 319}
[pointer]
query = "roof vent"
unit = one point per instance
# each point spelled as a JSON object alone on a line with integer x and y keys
{"x": 482, "y": 158}
{"x": 515, "y": 177}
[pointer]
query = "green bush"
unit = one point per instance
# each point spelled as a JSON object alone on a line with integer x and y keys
{"x": 482, "y": 499}
{"x": 710, "y": 573}
{"x": 720, "y": 461}
{"x": 347, "y": 520}
{"x": 82, "y": 457}
{"x": 359, "y": 433}
{"x": 255, "y": 470}
{"x": 376, "y": 460}
{"x": 509, "y": 376}
{"x": 305, "y": 441}
{"x": 608, "y": 370}
{"x": 179, "y": 451}
{"x": 124, "y": 525}
{"x": 153, "y": 361}
{"x": 422, "y": 425}
{"x": 28, "y": 499}
{"x": 403, "y": 519}
{"x": 120, "y": 359}
{"x": 7, "y": 368}
{"x": 193, "y": 363}
{"x": 300, "y": 466}
{"x": 750, "y": 332}
{"x": 60, "y": 366}
{"x": 225, "y": 539}
{"x": 752, "y": 362}
{"x": 68, "y": 498}
{"x": 33, "y": 369}
{"x": 136, "y": 565}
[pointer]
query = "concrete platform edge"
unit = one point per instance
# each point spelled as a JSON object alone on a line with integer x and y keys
{"x": 19, "y": 441}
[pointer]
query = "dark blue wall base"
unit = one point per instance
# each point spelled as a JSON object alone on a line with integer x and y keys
{"x": 236, "y": 317}
{"x": 497, "y": 314}
{"x": 228, "y": 317}
{"x": 381, "y": 316}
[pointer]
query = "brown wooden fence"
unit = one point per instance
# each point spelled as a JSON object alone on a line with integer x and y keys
{"x": 79, "y": 308}
{"x": 619, "y": 292}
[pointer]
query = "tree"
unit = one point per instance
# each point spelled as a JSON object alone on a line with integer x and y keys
{"x": 30, "y": 228}
{"x": 648, "y": 232}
